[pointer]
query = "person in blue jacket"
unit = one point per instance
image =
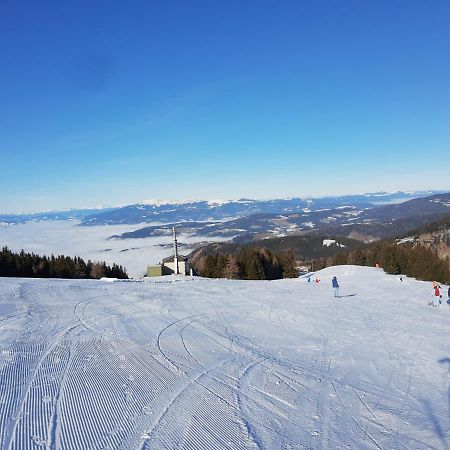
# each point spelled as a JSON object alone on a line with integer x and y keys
{"x": 335, "y": 284}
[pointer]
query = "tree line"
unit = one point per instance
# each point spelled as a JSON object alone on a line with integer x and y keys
{"x": 248, "y": 264}
{"x": 415, "y": 261}
{"x": 30, "y": 265}
{"x": 304, "y": 247}
{"x": 441, "y": 227}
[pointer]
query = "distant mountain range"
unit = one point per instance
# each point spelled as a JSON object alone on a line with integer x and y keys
{"x": 196, "y": 211}
{"x": 364, "y": 217}
{"x": 364, "y": 224}
{"x": 70, "y": 214}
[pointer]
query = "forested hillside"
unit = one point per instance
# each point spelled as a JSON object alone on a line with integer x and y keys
{"x": 422, "y": 254}
{"x": 31, "y": 265}
{"x": 248, "y": 264}
{"x": 304, "y": 247}
{"x": 435, "y": 236}
{"x": 411, "y": 259}
{"x": 438, "y": 227}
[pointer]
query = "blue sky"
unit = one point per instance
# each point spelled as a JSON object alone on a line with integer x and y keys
{"x": 112, "y": 102}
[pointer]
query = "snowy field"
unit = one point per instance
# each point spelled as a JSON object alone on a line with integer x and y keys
{"x": 219, "y": 364}
{"x": 64, "y": 237}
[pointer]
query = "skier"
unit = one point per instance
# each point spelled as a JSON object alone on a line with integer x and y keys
{"x": 309, "y": 279}
{"x": 437, "y": 296}
{"x": 448, "y": 296}
{"x": 335, "y": 284}
{"x": 401, "y": 279}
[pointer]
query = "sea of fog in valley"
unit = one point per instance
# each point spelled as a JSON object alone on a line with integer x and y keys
{"x": 66, "y": 237}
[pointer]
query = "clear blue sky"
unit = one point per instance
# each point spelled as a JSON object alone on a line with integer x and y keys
{"x": 109, "y": 102}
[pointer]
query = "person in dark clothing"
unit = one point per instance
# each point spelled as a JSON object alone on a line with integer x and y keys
{"x": 335, "y": 284}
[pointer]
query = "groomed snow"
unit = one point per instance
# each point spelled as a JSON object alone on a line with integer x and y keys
{"x": 221, "y": 364}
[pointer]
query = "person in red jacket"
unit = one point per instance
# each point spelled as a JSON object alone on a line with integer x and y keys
{"x": 437, "y": 295}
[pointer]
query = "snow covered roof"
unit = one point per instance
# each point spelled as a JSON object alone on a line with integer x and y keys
{"x": 171, "y": 258}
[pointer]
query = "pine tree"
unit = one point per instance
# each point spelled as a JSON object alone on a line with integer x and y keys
{"x": 287, "y": 262}
{"x": 232, "y": 269}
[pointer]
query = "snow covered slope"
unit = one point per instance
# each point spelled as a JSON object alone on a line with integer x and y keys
{"x": 220, "y": 364}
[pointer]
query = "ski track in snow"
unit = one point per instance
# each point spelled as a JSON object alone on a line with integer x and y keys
{"x": 219, "y": 364}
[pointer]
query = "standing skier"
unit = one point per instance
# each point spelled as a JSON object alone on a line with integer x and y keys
{"x": 335, "y": 284}
{"x": 437, "y": 296}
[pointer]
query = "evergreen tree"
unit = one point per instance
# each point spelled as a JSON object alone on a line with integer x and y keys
{"x": 232, "y": 269}
{"x": 287, "y": 262}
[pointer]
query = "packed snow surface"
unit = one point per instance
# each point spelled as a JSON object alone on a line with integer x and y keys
{"x": 220, "y": 364}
